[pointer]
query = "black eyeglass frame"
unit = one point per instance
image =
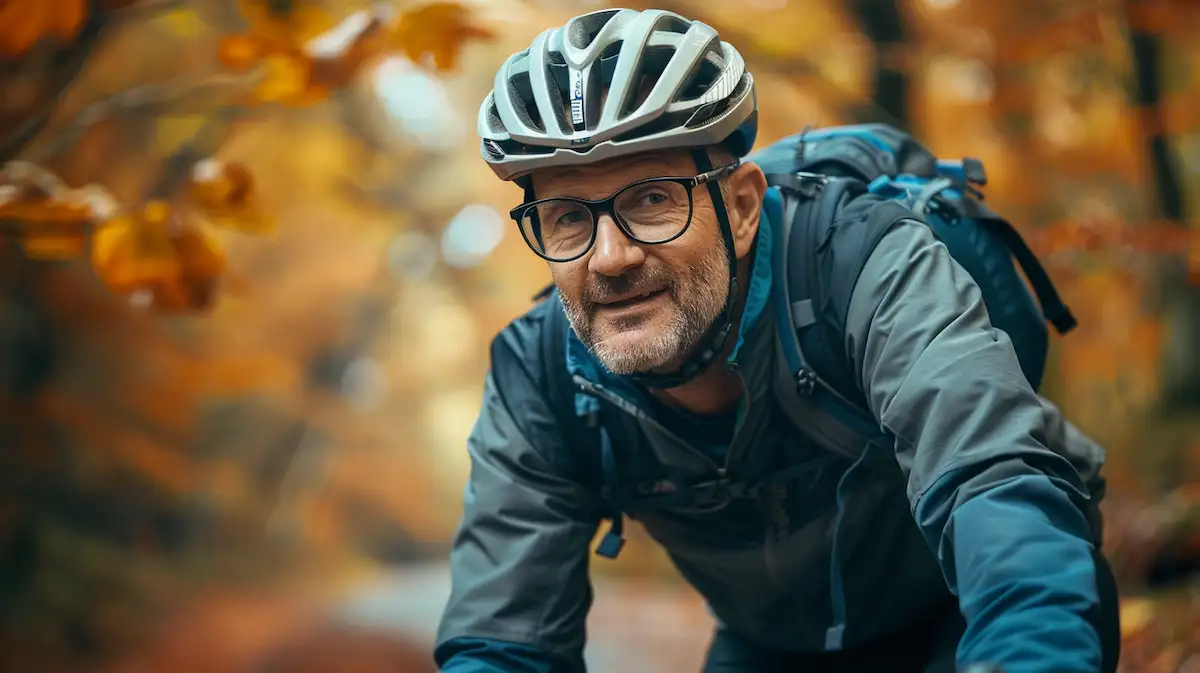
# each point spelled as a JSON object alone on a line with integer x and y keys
{"x": 609, "y": 205}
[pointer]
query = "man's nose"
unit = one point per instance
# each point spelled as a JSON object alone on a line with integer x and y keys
{"x": 614, "y": 253}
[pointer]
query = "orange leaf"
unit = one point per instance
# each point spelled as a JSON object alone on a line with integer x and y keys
{"x": 163, "y": 265}
{"x": 202, "y": 265}
{"x": 131, "y": 253}
{"x": 199, "y": 254}
{"x": 289, "y": 81}
{"x": 22, "y": 24}
{"x": 66, "y": 19}
{"x": 306, "y": 55}
{"x": 225, "y": 195}
{"x": 55, "y": 242}
{"x": 239, "y": 53}
{"x": 437, "y": 30}
{"x": 298, "y": 24}
{"x": 48, "y": 226}
{"x": 339, "y": 53}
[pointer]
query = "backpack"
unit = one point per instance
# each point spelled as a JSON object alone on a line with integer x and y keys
{"x": 843, "y": 188}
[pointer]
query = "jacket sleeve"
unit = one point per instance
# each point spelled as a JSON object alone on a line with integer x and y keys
{"x": 988, "y": 485}
{"x": 519, "y": 566}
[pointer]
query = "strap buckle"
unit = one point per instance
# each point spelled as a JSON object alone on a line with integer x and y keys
{"x": 806, "y": 381}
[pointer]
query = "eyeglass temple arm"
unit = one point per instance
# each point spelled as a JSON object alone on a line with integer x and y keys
{"x": 717, "y": 173}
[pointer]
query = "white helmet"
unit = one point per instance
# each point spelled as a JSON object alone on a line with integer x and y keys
{"x": 612, "y": 83}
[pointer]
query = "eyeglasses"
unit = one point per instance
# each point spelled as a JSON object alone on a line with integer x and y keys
{"x": 651, "y": 211}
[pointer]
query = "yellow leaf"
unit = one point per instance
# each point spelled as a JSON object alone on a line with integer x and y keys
{"x": 1136, "y": 614}
{"x": 286, "y": 80}
{"x": 170, "y": 133}
{"x": 107, "y": 237}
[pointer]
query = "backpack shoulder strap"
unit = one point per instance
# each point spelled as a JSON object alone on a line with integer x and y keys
{"x": 828, "y": 229}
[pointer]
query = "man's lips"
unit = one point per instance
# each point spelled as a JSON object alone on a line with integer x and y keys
{"x": 629, "y": 299}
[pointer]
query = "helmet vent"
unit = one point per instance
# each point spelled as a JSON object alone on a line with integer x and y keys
{"x": 672, "y": 23}
{"x": 492, "y": 151}
{"x": 495, "y": 124}
{"x": 711, "y": 111}
{"x": 650, "y": 70}
{"x": 582, "y": 30}
{"x": 558, "y": 99}
{"x": 521, "y": 93}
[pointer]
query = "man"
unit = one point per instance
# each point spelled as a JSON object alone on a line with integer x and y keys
{"x": 973, "y": 539}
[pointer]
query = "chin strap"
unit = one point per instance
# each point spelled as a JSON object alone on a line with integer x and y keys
{"x": 714, "y": 341}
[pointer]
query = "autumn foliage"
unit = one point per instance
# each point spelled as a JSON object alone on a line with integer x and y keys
{"x": 159, "y": 253}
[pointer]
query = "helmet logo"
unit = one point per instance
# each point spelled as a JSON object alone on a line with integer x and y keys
{"x": 577, "y": 118}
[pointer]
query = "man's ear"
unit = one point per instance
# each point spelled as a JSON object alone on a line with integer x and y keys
{"x": 745, "y": 190}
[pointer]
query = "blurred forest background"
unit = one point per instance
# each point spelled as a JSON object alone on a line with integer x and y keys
{"x": 251, "y": 262}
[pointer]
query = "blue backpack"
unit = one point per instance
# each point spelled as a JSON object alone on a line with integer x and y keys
{"x": 821, "y": 174}
{"x": 843, "y": 188}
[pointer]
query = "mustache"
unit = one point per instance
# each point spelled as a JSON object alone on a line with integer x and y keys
{"x": 602, "y": 288}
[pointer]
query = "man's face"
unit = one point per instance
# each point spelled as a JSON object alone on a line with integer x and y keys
{"x": 640, "y": 308}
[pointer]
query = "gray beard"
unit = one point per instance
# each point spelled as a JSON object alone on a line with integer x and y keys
{"x": 696, "y": 299}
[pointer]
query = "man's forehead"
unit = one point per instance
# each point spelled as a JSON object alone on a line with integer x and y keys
{"x": 636, "y": 166}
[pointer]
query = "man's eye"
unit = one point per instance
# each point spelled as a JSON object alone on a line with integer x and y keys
{"x": 647, "y": 198}
{"x": 572, "y": 218}
{"x": 653, "y": 198}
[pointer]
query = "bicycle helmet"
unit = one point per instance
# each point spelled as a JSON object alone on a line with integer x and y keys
{"x": 617, "y": 82}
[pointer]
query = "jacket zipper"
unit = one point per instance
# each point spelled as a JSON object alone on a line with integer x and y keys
{"x": 629, "y": 408}
{"x": 722, "y": 471}
{"x": 835, "y": 634}
{"x": 774, "y": 519}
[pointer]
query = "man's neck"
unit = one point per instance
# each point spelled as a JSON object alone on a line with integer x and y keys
{"x": 716, "y": 390}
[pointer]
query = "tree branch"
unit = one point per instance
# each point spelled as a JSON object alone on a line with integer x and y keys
{"x": 147, "y": 95}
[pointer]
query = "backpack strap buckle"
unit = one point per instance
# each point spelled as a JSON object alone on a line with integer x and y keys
{"x": 726, "y": 487}
{"x": 806, "y": 381}
{"x": 974, "y": 172}
{"x": 803, "y": 184}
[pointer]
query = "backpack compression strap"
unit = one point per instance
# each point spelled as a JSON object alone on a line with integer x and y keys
{"x": 1053, "y": 307}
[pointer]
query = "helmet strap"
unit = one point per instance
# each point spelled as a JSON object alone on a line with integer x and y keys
{"x": 712, "y": 345}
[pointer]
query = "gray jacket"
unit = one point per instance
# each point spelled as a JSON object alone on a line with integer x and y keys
{"x": 983, "y": 493}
